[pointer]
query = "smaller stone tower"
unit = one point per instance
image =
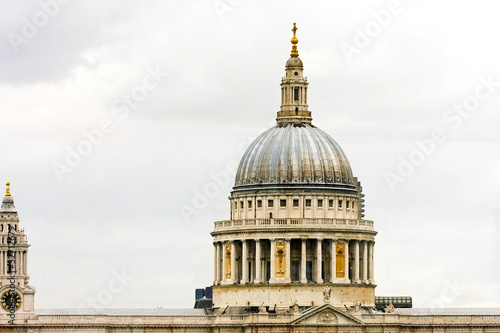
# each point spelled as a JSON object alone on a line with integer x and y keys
{"x": 15, "y": 291}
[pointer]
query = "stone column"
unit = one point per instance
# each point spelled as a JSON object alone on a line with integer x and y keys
{"x": 370, "y": 262}
{"x": 303, "y": 259}
{"x": 216, "y": 264}
{"x": 220, "y": 268}
{"x": 258, "y": 273}
{"x": 319, "y": 260}
{"x": 347, "y": 265}
{"x": 224, "y": 259}
{"x": 273, "y": 259}
{"x": 355, "y": 275}
{"x": 244, "y": 263}
{"x": 234, "y": 278}
{"x": 288, "y": 261}
{"x": 365, "y": 262}
{"x": 20, "y": 264}
{"x": 333, "y": 261}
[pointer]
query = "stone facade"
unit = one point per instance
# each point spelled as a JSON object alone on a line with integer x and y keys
{"x": 324, "y": 318}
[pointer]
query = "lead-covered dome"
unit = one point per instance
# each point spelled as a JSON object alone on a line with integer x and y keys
{"x": 296, "y": 154}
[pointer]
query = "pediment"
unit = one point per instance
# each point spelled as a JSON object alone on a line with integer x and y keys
{"x": 327, "y": 315}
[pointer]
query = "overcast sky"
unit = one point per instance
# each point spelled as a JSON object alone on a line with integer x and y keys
{"x": 120, "y": 122}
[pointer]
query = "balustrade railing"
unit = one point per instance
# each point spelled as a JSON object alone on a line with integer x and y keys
{"x": 306, "y": 222}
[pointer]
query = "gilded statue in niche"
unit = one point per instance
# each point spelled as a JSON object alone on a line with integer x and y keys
{"x": 280, "y": 259}
{"x": 340, "y": 260}
{"x": 228, "y": 261}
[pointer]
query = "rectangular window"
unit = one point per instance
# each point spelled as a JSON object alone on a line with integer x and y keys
{"x": 320, "y": 202}
{"x": 241, "y": 204}
{"x": 283, "y": 203}
{"x": 340, "y": 203}
{"x": 330, "y": 203}
{"x": 270, "y": 203}
{"x": 249, "y": 204}
{"x": 308, "y": 202}
{"x": 295, "y": 202}
{"x": 347, "y": 204}
{"x": 259, "y": 203}
{"x": 309, "y": 270}
{"x": 296, "y": 94}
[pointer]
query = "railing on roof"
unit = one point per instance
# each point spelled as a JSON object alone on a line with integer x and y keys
{"x": 342, "y": 224}
{"x": 123, "y": 319}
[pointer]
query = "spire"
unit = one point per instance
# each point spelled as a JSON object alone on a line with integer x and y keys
{"x": 294, "y": 40}
{"x": 7, "y": 190}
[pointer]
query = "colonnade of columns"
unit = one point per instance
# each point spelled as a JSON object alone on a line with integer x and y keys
{"x": 254, "y": 261}
{"x": 21, "y": 263}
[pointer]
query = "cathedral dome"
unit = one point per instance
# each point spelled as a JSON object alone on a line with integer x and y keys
{"x": 294, "y": 154}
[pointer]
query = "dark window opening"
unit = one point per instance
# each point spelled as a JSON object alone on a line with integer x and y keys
{"x": 330, "y": 203}
{"x": 283, "y": 203}
{"x": 309, "y": 270}
{"x": 295, "y": 202}
{"x": 270, "y": 203}
{"x": 296, "y": 94}
{"x": 249, "y": 204}
{"x": 11, "y": 267}
{"x": 320, "y": 202}
{"x": 241, "y": 204}
{"x": 259, "y": 203}
{"x": 249, "y": 269}
{"x": 308, "y": 202}
{"x": 347, "y": 204}
{"x": 340, "y": 203}
{"x": 295, "y": 271}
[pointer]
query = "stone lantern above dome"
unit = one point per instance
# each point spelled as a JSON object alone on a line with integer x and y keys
{"x": 296, "y": 216}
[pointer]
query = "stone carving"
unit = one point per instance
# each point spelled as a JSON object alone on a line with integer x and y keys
{"x": 295, "y": 307}
{"x": 327, "y": 292}
{"x": 327, "y": 317}
{"x": 262, "y": 308}
{"x": 357, "y": 307}
{"x": 389, "y": 308}
{"x": 27, "y": 283}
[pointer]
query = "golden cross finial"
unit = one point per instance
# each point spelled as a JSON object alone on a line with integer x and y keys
{"x": 295, "y": 52}
{"x": 7, "y": 191}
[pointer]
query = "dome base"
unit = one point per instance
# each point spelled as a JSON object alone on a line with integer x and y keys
{"x": 279, "y": 295}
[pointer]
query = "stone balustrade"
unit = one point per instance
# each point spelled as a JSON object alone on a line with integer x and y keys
{"x": 338, "y": 224}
